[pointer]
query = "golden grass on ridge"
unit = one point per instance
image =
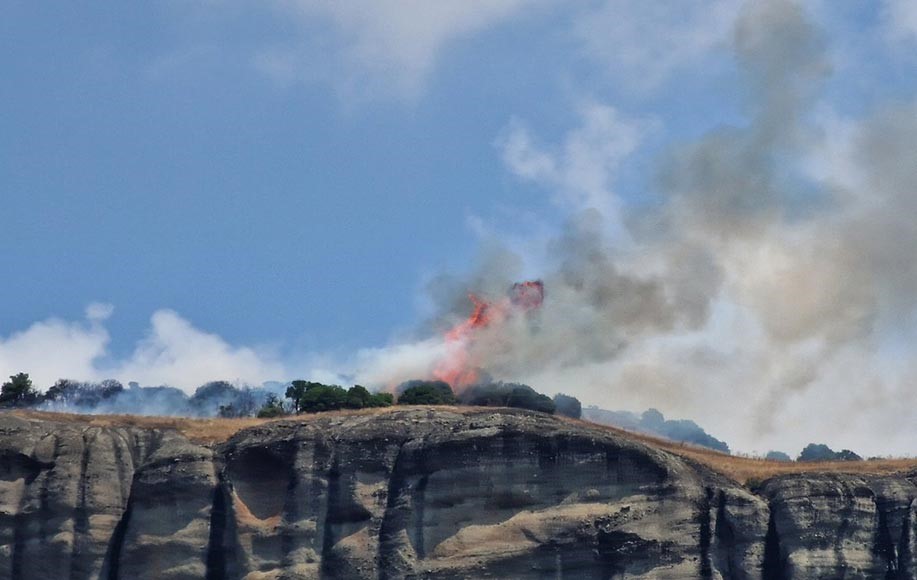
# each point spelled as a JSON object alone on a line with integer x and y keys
{"x": 744, "y": 470}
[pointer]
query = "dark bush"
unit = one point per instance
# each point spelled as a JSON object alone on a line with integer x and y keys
{"x": 525, "y": 397}
{"x": 486, "y": 395}
{"x": 821, "y": 452}
{"x": 312, "y": 397}
{"x": 69, "y": 393}
{"x": 502, "y": 394}
{"x": 847, "y": 455}
{"x": 426, "y": 393}
{"x": 215, "y": 398}
{"x": 816, "y": 452}
{"x": 652, "y": 419}
{"x": 568, "y": 406}
{"x": 382, "y": 400}
{"x": 223, "y": 399}
{"x": 359, "y": 397}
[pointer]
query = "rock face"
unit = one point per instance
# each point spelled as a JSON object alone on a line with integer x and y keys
{"x": 842, "y": 526}
{"x": 419, "y": 493}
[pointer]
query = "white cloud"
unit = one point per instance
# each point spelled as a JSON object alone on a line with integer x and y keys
{"x": 583, "y": 168}
{"x": 174, "y": 352}
{"x": 54, "y": 348}
{"x": 388, "y": 46}
{"x": 642, "y": 42}
{"x": 99, "y": 311}
{"x": 901, "y": 19}
{"x": 366, "y": 49}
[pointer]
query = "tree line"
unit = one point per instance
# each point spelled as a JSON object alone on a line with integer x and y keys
{"x": 223, "y": 399}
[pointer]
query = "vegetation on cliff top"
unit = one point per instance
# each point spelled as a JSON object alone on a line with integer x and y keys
{"x": 18, "y": 392}
{"x": 652, "y": 422}
{"x": 226, "y": 400}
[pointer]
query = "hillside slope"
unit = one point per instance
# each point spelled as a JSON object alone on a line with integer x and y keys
{"x": 421, "y": 493}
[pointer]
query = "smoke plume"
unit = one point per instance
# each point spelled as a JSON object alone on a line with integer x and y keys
{"x": 768, "y": 290}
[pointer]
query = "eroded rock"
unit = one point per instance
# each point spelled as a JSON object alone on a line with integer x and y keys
{"x": 420, "y": 493}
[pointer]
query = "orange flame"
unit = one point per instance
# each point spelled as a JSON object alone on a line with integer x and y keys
{"x": 457, "y": 368}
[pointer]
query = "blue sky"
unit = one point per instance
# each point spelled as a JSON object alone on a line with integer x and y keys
{"x": 151, "y": 167}
{"x": 254, "y": 191}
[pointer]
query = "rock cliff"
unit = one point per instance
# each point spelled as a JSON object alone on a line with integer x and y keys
{"x": 422, "y": 493}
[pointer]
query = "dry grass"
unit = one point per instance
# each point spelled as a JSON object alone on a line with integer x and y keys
{"x": 747, "y": 470}
{"x": 744, "y": 470}
{"x": 202, "y": 431}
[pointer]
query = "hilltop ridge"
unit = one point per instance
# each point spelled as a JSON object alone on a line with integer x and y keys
{"x": 742, "y": 469}
{"x": 422, "y": 492}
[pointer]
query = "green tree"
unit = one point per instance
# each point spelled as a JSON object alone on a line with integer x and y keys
{"x": 358, "y": 397}
{"x": 381, "y": 400}
{"x": 296, "y": 391}
{"x": 426, "y": 393}
{"x": 312, "y": 397}
{"x": 18, "y": 392}
{"x": 321, "y": 397}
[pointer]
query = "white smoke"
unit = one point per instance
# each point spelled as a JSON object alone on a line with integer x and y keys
{"x": 173, "y": 352}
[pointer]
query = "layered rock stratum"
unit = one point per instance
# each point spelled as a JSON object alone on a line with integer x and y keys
{"x": 424, "y": 493}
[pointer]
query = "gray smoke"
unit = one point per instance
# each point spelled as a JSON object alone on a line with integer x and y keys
{"x": 770, "y": 290}
{"x": 213, "y": 399}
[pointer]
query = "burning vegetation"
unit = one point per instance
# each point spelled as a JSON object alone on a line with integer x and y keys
{"x": 460, "y": 368}
{"x": 456, "y": 378}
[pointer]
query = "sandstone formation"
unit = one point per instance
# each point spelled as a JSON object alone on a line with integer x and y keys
{"x": 421, "y": 493}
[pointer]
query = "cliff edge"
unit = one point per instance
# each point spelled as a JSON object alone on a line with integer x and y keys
{"x": 424, "y": 493}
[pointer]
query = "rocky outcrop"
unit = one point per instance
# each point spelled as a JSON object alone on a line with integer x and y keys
{"x": 489, "y": 494}
{"x": 841, "y": 526}
{"x": 83, "y": 502}
{"x": 421, "y": 493}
